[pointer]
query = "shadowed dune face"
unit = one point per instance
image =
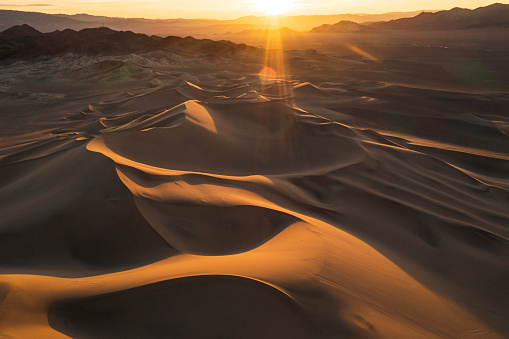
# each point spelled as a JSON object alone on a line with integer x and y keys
{"x": 375, "y": 210}
{"x": 192, "y": 307}
{"x": 4, "y": 290}
{"x": 85, "y": 219}
{"x": 205, "y": 229}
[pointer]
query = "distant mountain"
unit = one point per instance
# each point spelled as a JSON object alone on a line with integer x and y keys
{"x": 88, "y": 17}
{"x": 307, "y": 22}
{"x": 20, "y": 31}
{"x": 40, "y": 21}
{"x": 340, "y": 27}
{"x": 495, "y": 15}
{"x": 279, "y": 31}
{"x": 181, "y": 27}
{"x": 23, "y": 41}
{"x": 48, "y": 23}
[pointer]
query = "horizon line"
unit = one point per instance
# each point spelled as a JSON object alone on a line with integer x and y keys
{"x": 236, "y": 18}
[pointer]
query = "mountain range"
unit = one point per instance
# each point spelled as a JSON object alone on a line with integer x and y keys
{"x": 495, "y": 15}
{"x": 182, "y": 27}
{"x": 72, "y": 34}
{"x": 24, "y": 41}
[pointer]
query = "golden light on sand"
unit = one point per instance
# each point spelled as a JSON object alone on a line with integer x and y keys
{"x": 363, "y": 53}
{"x": 274, "y": 7}
{"x": 267, "y": 75}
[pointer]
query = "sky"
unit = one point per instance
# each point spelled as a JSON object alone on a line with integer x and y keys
{"x": 227, "y": 9}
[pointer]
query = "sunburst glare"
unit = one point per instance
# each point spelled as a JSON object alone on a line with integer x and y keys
{"x": 273, "y": 7}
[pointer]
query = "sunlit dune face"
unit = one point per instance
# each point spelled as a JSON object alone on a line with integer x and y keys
{"x": 274, "y": 7}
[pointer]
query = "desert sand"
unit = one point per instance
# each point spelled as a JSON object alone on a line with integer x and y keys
{"x": 166, "y": 195}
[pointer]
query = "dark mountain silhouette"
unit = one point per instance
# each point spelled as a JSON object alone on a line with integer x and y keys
{"x": 24, "y": 41}
{"x": 495, "y": 15}
{"x": 342, "y": 26}
{"x": 19, "y": 31}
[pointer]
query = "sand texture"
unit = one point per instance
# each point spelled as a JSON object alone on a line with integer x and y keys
{"x": 170, "y": 196}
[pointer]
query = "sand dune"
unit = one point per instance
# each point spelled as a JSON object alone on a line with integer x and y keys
{"x": 172, "y": 203}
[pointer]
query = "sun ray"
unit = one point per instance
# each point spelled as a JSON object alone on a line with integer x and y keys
{"x": 273, "y": 7}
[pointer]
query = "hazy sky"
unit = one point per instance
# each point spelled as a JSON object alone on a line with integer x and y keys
{"x": 227, "y": 9}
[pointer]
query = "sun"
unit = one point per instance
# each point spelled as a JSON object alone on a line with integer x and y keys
{"x": 274, "y": 7}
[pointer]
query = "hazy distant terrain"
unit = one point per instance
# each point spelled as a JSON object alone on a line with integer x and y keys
{"x": 340, "y": 27}
{"x": 472, "y": 59}
{"x": 181, "y": 27}
{"x": 496, "y": 15}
